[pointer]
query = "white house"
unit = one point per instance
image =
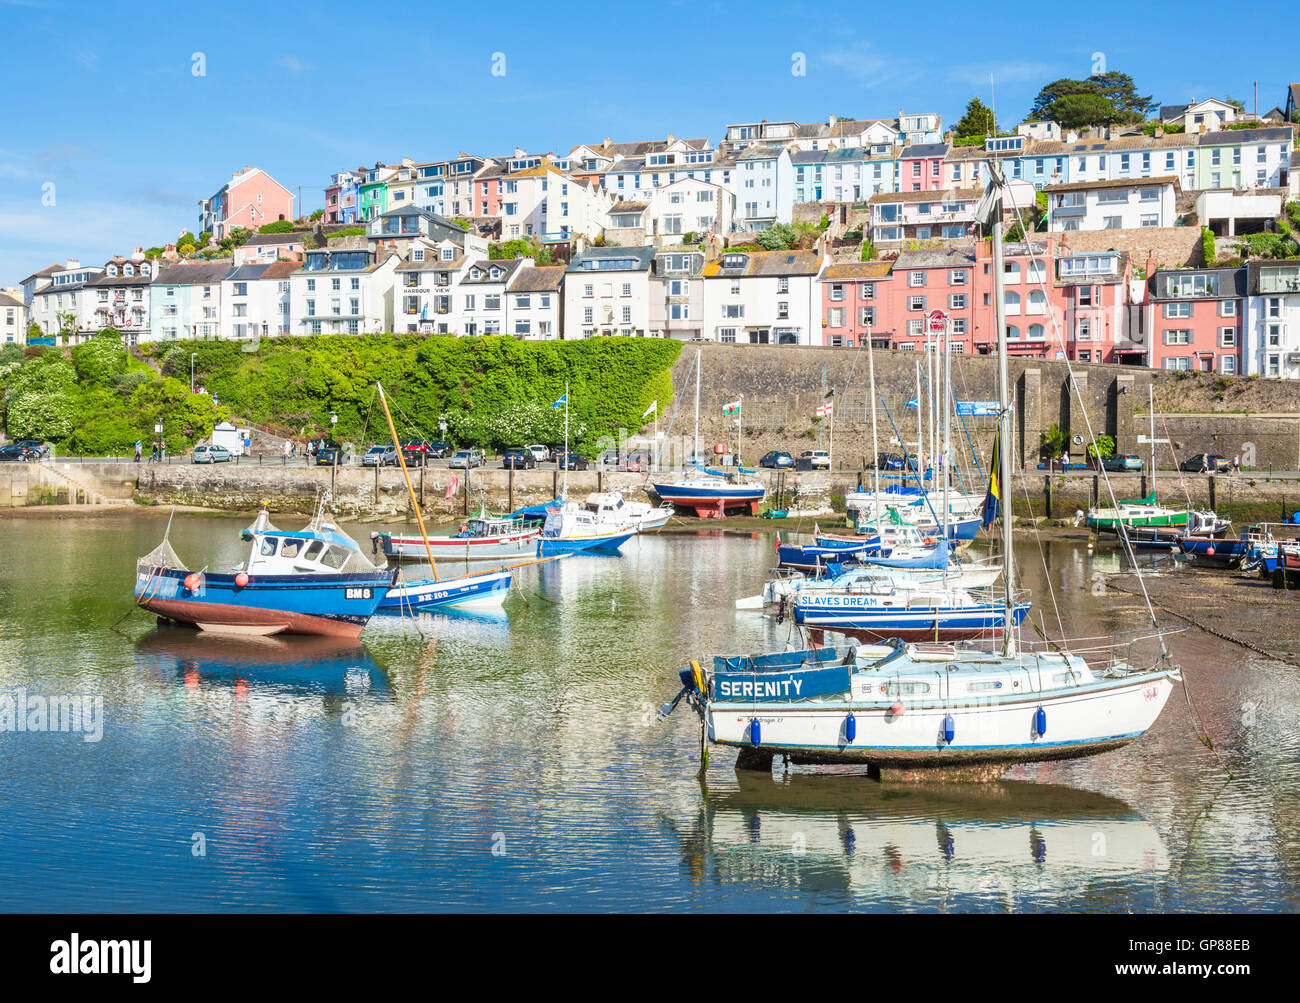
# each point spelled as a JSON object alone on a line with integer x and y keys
{"x": 607, "y": 292}
{"x": 763, "y": 297}
{"x": 688, "y": 206}
{"x": 482, "y": 295}
{"x": 13, "y": 318}
{"x": 256, "y": 300}
{"x": 1271, "y": 330}
{"x": 534, "y": 302}
{"x": 119, "y": 298}
{"x": 763, "y": 184}
{"x": 58, "y": 292}
{"x": 1209, "y": 115}
{"x": 1112, "y": 205}
{"x": 677, "y": 307}
{"x": 427, "y": 281}
{"x": 343, "y": 290}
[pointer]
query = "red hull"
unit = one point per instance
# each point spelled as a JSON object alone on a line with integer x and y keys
{"x": 194, "y": 613}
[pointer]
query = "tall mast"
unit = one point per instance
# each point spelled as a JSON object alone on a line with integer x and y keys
{"x": 920, "y": 445}
{"x": 567, "y": 464}
{"x": 695, "y": 456}
{"x": 947, "y": 420}
{"x": 875, "y": 446}
{"x": 1004, "y": 406}
{"x": 401, "y": 458}
{"x": 1151, "y": 412}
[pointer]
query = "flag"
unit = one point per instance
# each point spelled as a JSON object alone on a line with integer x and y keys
{"x": 732, "y": 408}
{"x": 777, "y": 546}
{"x": 826, "y": 410}
{"x": 451, "y": 489}
{"x": 652, "y": 409}
{"x": 562, "y": 401}
{"x": 993, "y": 500}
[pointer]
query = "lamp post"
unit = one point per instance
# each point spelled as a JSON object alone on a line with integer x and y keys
{"x": 192, "y": 355}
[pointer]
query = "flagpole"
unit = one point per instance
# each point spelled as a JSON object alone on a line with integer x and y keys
{"x": 567, "y": 459}
{"x": 655, "y": 461}
{"x": 740, "y": 430}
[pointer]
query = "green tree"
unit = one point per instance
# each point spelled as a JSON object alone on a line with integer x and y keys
{"x": 318, "y": 215}
{"x": 1051, "y": 443}
{"x": 1075, "y": 111}
{"x": 977, "y": 122}
{"x": 778, "y": 237}
{"x": 868, "y": 250}
{"x": 1119, "y": 89}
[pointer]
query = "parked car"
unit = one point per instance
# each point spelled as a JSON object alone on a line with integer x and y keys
{"x": 379, "y": 456}
{"x": 36, "y": 449}
{"x": 1211, "y": 463}
{"x": 776, "y": 459}
{"x": 211, "y": 454}
{"x": 816, "y": 459}
{"x": 891, "y": 461}
{"x": 540, "y": 453}
{"x": 438, "y": 450}
{"x": 1122, "y": 462}
{"x": 572, "y": 461}
{"x": 13, "y": 451}
{"x": 464, "y": 459}
{"x": 635, "y": 462}
{"x": 416, "y": 453}
{"x": 329, "y": 452}
{"x": 609, "y": 459}
{"x": 519, "y": 458}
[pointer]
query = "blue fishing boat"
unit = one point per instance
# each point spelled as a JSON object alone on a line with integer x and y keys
{"x": 570, "y": 530}
{"x": 309, "y": 581}
{"x": 812, "y": 556}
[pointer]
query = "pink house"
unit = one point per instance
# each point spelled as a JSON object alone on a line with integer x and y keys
{"x": 488, "y": 185}
{"x": 856, "y": 303}
{"x": 921, "y": 167}
{"x": 251, "y": 198}
{"x": 1193, "y": 319}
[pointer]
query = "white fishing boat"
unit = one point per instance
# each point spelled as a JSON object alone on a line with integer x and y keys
{"x": 911, "y": 711}
{"x": 785, "y": 589}
{"x": 613, "y": 507}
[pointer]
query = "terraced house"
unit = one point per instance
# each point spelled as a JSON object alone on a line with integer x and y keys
{"x": 343, "y": 290}
{"x": 1270, "y": 333}
{"x": 607, "y": 291}
{"x": 251, "y": 198}
{"x": 186, "y": 301}
{"x": 119, "y": 297}
{"x": 1195, "y": 316}
{"x": 763, "y": 297}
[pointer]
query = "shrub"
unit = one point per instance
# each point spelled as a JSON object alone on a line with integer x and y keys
{"x": 1207, "y": 246}
{"x": 279, "y": 226}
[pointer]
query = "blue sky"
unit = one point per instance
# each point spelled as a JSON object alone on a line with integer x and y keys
{"x": 103, "y": 104}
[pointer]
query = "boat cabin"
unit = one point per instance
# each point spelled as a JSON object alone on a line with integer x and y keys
{"x": 302, "y": 552}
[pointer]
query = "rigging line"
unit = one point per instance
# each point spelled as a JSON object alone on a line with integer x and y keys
{"x": 1039, "y": 272}
{"x": 1042, "y": 554}
{"x": 979, "y": 467}
{"x": 947, "y": 460}
{"x": 903, "y": 446}
{"x": 1181, "y": 480}
{"x": 677, "y": 403}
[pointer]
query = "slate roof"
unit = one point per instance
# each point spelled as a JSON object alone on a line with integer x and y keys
{"x": 643, "y": 257}
{"x": 854, "y": 271}
{"x": 538, "y": 279}
{"x": 506, "y": 265}
{"x": 934, "y": 259}
{"x": 1232, "y": 282}
{"x": 766, "y": 263}
{"x": 920, "y": 150}
{"x": 939, "y": 195}
{"x": 205, "y": 274}
{"x": 1164, "y": 179}
{"x": 1234, "y": 137}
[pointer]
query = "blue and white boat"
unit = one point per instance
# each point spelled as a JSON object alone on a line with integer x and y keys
{"x": 712, "y": 496}
{"x": 570, "y": 529}
{"x": 784, "y": 589}
{"x": 310, "y": 581}
{"x": 484, "y": 590}
{"x": 913, "y": 712}
{"x": 813, "y": 556}
{"x": 878, "y": 608}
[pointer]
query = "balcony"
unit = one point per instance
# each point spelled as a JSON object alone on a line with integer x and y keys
{"x": 1285, "y": 279}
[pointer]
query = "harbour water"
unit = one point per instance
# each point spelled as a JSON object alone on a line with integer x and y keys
{"x": 515, "y": 763}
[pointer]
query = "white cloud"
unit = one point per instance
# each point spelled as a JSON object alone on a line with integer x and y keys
{"x": 862, "y": 60}
{"x": 294, "y": 65}
{"x": 977, "y": 74}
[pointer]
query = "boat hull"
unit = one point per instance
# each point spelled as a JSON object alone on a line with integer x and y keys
{"x": 550, "y": 546}
{"x": 711, "y": 501}
{"x": 337, "y": 605}
{"x": 1214, "y": 552}
{"x": 988, "y": 736}
{"x": 877, "y": 623}
{"x": 450, "y": 548}
{"x": 487, "y": 590}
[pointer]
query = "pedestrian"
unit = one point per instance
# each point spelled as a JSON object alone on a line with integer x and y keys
{"x": 139, "y": 450}
{"x": 1205, "y": 464}
{"x": 1065, "y": 460}
{"x": 294, "y": 451}
{"x": 162, "y": 450}
{"x": 1236, "y": 464}
{"x": 287, "y": 450}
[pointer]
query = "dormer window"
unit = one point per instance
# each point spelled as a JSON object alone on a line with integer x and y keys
{"x": 496, "y": 273}
{"x": 128, "y": 270}
{"x": 111, "y": 270}
{"x": 477, "y": 273}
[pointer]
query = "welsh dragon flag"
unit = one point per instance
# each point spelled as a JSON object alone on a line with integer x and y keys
{"x": 731, "y": 409}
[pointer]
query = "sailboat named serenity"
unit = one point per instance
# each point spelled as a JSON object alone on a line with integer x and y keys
{"x": 918, "y": 711}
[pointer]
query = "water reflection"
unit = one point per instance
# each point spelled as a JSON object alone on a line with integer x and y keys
{"x": 332, "y": 668}
{"x": 924, "y": 847}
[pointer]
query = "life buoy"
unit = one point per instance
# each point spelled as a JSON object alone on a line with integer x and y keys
{"x": 697, "y": 677}
{"x": 929, "y": 541}
{"x": 464, "y": 527}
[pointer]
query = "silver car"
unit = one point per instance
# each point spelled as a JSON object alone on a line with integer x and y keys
{"x": 464, "y": 459}
{"x": 379, "y": 456}
{"x": 211, "y": 454}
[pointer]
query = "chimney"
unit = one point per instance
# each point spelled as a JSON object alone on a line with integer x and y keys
{"x": 606, "y": 143}
{"x": 671, "y": 139}
{"x": 73, "y": 263}
{"x": 830, "y": 122}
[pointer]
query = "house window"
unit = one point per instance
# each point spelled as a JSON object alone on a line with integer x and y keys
{"x": 727, "y": 334}
{"x": 835, "y": 317}
{"x": 957, "y": 277}
{"x": 916, "y": 302}
{"x": 1178, "y": 337}
{"x": 1227, "y": 308}
{"x": 1178, "y": 309}
{"x": 957, "y": 301}
{"x": 867, "y": 316}
{"x": 867, "y": 291}
{"x": 1228, "y": 364}
{"x": 837, "y": 292}
{"x": 1227, "y": 337}
{"x": 916, "y": 278}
